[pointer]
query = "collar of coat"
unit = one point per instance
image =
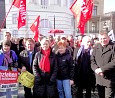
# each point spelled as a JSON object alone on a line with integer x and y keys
{"x": 108, "y": 47}
{"x": 51, "y": 54}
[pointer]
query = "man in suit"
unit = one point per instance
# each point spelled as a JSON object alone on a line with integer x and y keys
{"x": 103, "y": 63}
{"x": 25, "y": 62}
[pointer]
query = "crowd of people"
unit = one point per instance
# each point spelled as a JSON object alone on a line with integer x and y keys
{"x": 60, "y": 62}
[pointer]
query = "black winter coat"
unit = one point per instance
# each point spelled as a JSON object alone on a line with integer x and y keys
{"x": 44, "y": 84}
{"x": 104, "y": 58}
{"x": 65, "y": 66}
{"x": 84, "y": 75}
{"x": 24, "y": 60}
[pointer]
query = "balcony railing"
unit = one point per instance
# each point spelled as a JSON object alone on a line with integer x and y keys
{"x": 44, "y": 6}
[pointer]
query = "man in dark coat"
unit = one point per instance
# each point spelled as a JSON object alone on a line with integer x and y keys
{"x": 103, "y": 63}
{"x": 84, "y": 75}
{"x": 25, "y": 62}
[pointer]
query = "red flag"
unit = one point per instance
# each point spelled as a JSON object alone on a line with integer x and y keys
{"x": 34, "y": 28}
{"x": 22, "y": 14}
{"x": 16, "y": 3}
{"x": 78, "y": 9}
{"x": 90, "y": 9}
{"x": 86, "y": 13}
{"x": 82, "y": 12}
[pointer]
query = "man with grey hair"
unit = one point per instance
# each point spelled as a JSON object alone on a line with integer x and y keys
{"x": 84, "y": 75}
{"x": 103, "y": 63}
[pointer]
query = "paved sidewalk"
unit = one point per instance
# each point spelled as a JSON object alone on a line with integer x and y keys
{"x": 21, "y": 93}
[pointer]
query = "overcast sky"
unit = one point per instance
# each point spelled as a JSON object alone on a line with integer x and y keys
{"x": 109, "y": 5}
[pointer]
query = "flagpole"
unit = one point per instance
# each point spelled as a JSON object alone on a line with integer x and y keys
{"x": 27, "y": 33}
{"x": 88, "y": 28}
{"x": 5, "y": 17}
{"x": 54, "y": 24}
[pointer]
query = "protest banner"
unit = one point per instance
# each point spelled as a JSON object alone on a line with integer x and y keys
{"x": 8, "y": 84}
{"x": 26, "y": 79}
{"x": 112, "y": 36}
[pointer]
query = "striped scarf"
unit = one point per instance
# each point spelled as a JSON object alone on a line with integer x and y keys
{"x": 7, "y": 59}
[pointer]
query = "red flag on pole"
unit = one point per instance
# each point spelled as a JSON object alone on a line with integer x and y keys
{"x": 16, "y": 3}
{"x": 34, "y": 28}
{"x": 82, "y": 12}
{"x": 77, "y": 7}
{"x": 21, "y": 4}
{"x": 22, "y": 14}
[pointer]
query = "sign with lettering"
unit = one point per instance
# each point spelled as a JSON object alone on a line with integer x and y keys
{"x": 7, "y": 77}
{"x": 8, "y": 84}
{"x": 26, "y": 79}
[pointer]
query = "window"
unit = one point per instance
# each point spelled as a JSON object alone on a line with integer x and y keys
{"x": 15, "y": 33}
{"x": 44, "y": 2}
{"x": 71, "y": 2}
{"x": 72, "y": 21}
{"x": 94, "y": 11}
{"x": 94, "y": 26}
{"x": 55, "y": 2}
{"x": 1, "y": 36}
{"x": 64, "y": 2}
{"x": 34, "y": 1}
{"x": 14, "y": 18}
{"x": 45, "y": 23}
{"x": 10, "y": 1}
{"x": 59, "y": 2}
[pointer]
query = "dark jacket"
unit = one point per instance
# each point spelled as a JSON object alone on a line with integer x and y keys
{"x": 44, "y": 83}
{"x": 24, "y": 60}
{"x": 65, "y": 66}
{"x": 104, "y": 58}
{"x": 84, "y": 75}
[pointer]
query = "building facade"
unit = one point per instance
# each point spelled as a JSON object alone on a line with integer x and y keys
{"x": 94, "y": 25}
{"x": 53, "y": 14}
{"x": 58, "y": 10}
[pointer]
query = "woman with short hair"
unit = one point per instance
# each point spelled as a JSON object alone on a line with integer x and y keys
{"x": 65, "y": 71}
{"x": 8, "y": 57}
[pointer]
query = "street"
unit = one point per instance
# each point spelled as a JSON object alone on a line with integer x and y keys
{"x": 21, "y": 93}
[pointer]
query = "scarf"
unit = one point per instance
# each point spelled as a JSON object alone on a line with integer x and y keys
{"x": 45, "y": 62}
{"x": 82, "y": 49}
{"x": 7, "y": 59}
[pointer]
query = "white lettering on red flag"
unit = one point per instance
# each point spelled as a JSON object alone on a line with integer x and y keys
{"x": 82, "y": 12}
{"x": 22, "y": 14}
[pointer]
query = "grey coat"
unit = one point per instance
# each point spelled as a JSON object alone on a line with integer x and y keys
{"x": 104, "y": 58}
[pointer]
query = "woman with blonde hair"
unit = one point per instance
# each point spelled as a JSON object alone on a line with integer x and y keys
{"x": 45, "y": 71}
